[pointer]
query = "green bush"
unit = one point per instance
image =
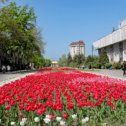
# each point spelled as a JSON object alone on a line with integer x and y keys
{"x": 116, "y": 65}
{"x": 96, "y": 66}
{"x": 108, "y": 65}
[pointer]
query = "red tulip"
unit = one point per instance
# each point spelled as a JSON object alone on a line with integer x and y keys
{"x": 20, "y": 115}
{"x": 7, "y": 107}
{"x": 65, "y": 115}
{"x": 51, "y": 116}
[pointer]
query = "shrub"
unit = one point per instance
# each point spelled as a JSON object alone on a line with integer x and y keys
{"x": 116, "y": 65}
{"x": 108, "y": 65}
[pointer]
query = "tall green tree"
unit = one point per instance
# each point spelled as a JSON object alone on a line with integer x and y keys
{"x": 95, "y": 63}
{"x": 47, "y": 63}
{"x": 38, "y": 61}
{"x": 79, "y": 60}
{"x": 103, "y": 58}
{"x": 89, "y": 59}
{"x": 69, "y": 59}
{"x": 63, "y": 61}
{"x": 19, "y": 36}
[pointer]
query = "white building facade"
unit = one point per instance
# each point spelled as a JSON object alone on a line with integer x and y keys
{"x": 114, "y": 44}
{"x": 77, "y": 48}
{"x": 54, "y": 63}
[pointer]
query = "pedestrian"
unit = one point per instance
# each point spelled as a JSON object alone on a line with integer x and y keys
{"x": 124, "y": 67}
{"x": 3, "y": 68}
{"x": 8, "y": 68}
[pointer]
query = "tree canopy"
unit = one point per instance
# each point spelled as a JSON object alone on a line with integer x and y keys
{"x": 63, "y": 61}
{"x": 76, "y": 61}
{"x": 20, "y": 39}
{"x": 103, "y": 58}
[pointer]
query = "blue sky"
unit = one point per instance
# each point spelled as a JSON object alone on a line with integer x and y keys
{"x": 65, "y": 21}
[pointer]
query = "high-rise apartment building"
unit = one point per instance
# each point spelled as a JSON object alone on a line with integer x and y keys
{"x": 77, "y": 48}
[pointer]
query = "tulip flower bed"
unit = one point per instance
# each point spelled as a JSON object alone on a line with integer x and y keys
{"x": 55, "y": 69}
{"x": 63, "y": 99}
{"x": 45, "y": 69}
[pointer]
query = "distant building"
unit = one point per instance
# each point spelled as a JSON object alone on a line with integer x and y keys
{"x": 54, "y": 64}
{"x": 77, "y": 48}
{"x": 114, "y": 44}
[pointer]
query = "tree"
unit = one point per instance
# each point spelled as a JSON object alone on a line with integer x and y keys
{"x": 69, "y": 59}
{"x": 63, "y": 61}
{"x": 38, "y": 61}
{"x": 95, "y": 63}
{"x": 79, "y": 60}
{"x": 89, "y": 61}
{"x": 103, "y": 58}
{"x": 20, "y": 39}
{"x": 47, "y": 63}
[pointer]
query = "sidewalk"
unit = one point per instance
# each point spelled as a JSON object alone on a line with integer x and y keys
{"x": 118, "y": 74}
{"x": 12, "y": 76}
